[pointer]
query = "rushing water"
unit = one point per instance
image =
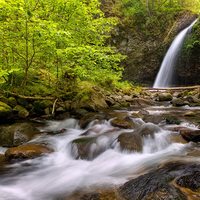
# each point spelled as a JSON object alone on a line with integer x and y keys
{"x": 164, "y": 77}
{"x": 59, "y": 174}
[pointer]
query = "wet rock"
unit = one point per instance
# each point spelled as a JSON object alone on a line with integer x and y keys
{"x": 155, "y": 185}
{"x": 193, "y": 99}
{"x": 121, "y": 123}
{"x": 81, "y": 148}
{"x": 190, "y": 179}
{"x": 177, "y": 102}
{"x": 79, "y": 113}
{"x": 89, "y": 117}
{"x": 137, "y": 115}
{"x": 17, "y": 134}
{"x": 172, "y": 120}
{"x": 6, "y": 113}
{"x": 89, "y": 99}
{"x": 165, "y": 97}
{"x": 177, "y": 139}
{"x": 130, "y": 141}
{"x": 27, "y": 151}
{"x": 139, "y": 102}
{"x": 143, "y": 112}
{"x": 148, "y": 130}
{"x": 190, "y": 134}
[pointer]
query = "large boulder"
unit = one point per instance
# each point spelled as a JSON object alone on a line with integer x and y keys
{"x": 139, "y": 102}
{"x": 89, "y": 99}
{"x": 165, "y": 97}
{"x": 17, "y": 134}
{"x": 130, "y": 141}
{"x": 6, "y": 113}
{"x": 27, "y": 151}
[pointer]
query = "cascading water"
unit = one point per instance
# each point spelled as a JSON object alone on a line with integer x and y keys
{"x": 165, "y": 75}
{"x": 60, "y": 174}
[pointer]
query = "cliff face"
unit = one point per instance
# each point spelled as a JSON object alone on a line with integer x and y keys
{"x": 146, "y": 52}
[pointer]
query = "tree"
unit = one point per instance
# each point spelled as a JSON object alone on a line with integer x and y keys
{"x": 57, "y": 36}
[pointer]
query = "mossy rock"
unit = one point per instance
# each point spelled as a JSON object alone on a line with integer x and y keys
{"x": 22, "y": 102}
{"x": 23, "y": 114}
{"x": 172, "y": 120}
{"x": 89, "y": 99}
{"x": 17, "y": 134}
{"x": 6, "y": 113}
{"x": 12, "y": 102}
{"x": 26, "y": 151}
{"x": 4, "y": 99}
{"x": 40, "y": 106}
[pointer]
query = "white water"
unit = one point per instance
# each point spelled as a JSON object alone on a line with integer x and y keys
{"x": 165, "y": 74}
{"x": 59, "y": 174}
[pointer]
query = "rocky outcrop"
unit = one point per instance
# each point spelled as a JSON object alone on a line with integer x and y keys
{"x": 145, "y": 53}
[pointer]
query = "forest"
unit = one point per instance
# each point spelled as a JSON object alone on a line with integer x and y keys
{"x": 50, "y": 47}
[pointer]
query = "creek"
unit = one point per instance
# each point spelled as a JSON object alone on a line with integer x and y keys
{"x": 59, "y": 174}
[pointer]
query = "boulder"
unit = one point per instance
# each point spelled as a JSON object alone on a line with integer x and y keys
{"x": 40, "y": 106}
{"x": 139, "y": 102}
{"x": 26, "y": 151}
{"x": 190, "y": 134}
{"x": 164, "y": 97}
{"x": 177, "y": 102}
{"x": 17, "y": 134}
{"x": 89, "y": 99}
{"x": 81, "y": 148}
{"x": 12, "y": 102}
{"x": 156, "y": 184}
{"x": 130, "y": 141}
{"x": 6, "y": 113}
{"x": 172, "y": 120}
{"x": 89, "y": 117}
{"x": 121, "y": 123}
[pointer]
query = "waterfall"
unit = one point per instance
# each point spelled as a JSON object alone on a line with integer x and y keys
{"x": 165, "y": 75}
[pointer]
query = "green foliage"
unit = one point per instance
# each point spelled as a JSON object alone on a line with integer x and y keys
{"x": 56, "y": 37}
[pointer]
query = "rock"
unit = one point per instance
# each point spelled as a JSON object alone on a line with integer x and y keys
{"x": 12, "y": 102}
{"x": 139, "y": 102}
{"x": 155, "y": 185}
{"x": 190, "y": 179}
{"x": 89, "y": 99}
{"x": 128, "y": 98}
{"x": 190, "y": 134}
{"x": 177, "y": 102}
{"x": 121, "y": 123}
{"x": 26, "y": 151}
{"x": 40, "y": 106}
{"x": 109, "y": 101}
{"x": 17, "y": 134}
{"x": 172, "y": 120}
{"x": 89, "y": 117}
{"x": 23, "y": 114}
{"x": 130, "y": 141}
{"x": 6, "y": 113}
{"x": 126, "y": 91}
{"x": 143, "y": 112}
{"x": 79, "y": 113}
{"x": 81, "y": 148}
{"x": 193, "y": 99}
{"x": 22, "y": 102}
{"x": 165, "y": 97}
{"x": 3, "y": 99}
{"x": 67, "y": 105}
{"x": 189, "y": 114}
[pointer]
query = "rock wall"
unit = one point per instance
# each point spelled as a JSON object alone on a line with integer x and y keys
{"x": 145, "y": 54}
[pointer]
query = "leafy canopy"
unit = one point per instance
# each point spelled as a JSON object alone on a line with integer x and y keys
{"x": 57, "y": 37}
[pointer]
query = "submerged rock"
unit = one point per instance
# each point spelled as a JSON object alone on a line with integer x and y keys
{"x": 26, "y": 151}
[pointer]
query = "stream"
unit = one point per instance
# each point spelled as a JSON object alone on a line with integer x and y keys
{"x": 59, "y": 174}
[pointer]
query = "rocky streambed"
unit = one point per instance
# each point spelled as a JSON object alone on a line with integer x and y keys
{"x": 123, "y": 146}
